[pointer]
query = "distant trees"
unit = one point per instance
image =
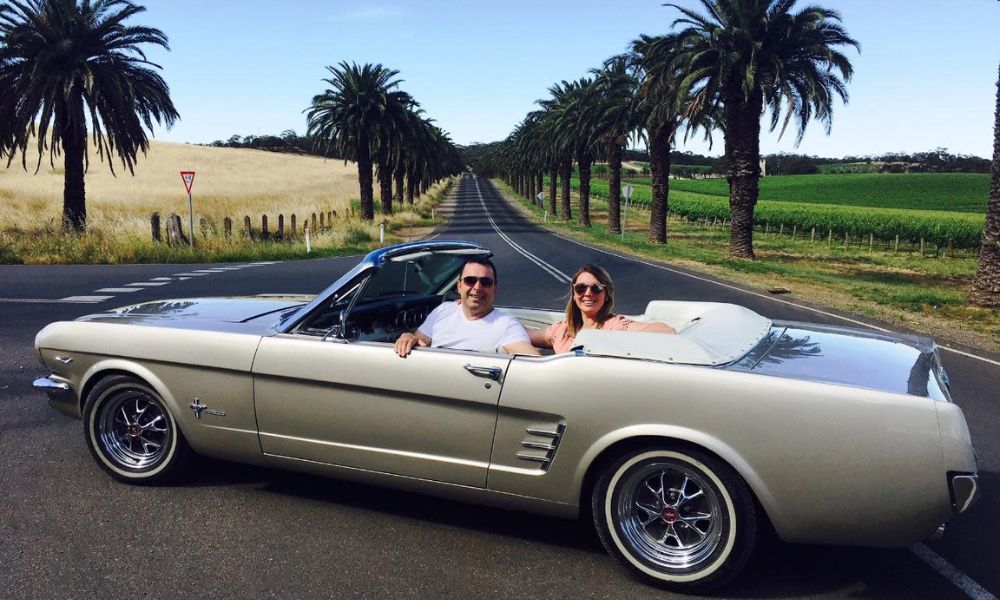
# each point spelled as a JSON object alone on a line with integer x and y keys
{"x": 66, "y": 67}
{"x": 986, "y": 285}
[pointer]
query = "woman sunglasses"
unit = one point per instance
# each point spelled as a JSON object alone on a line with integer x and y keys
{"x": 595, "y": 288}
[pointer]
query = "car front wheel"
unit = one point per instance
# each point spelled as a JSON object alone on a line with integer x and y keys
{"x": 677, "y": 518}
{"x": 131, "y": 433}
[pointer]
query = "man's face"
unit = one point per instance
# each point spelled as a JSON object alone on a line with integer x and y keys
{"x": 477, "y": 299}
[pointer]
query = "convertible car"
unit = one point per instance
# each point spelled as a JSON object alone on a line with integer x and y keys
{"x": 680, "y": 448}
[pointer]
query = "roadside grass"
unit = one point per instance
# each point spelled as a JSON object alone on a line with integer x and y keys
{"x": 958, "y": 192}
{"x": 230, "y": 183}
{"x": 921, "y": 294}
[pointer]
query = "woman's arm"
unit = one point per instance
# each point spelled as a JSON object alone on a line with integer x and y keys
{"x": 540, "y": 338}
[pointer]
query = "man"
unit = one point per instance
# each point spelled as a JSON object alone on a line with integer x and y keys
{"x": 471, "y": 323}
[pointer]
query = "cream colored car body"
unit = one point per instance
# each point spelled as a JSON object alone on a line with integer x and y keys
{"x": 828, "y": 462}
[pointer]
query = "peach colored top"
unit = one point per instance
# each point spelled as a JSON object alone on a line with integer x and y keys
{"x": 563, "y": 342}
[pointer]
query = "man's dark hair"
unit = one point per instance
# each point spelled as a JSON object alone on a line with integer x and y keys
{"x": 480, "y": 260}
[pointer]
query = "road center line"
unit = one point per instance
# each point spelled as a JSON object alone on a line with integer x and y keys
{"x": 554, "y": 272}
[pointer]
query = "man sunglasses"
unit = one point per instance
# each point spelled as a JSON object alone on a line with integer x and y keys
{"x": 581, "y": 288}
{"x": 486, "y": 282}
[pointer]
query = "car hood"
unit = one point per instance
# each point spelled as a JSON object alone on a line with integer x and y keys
{"x": 895, "y": 363}
{"x": 252, "y": 314}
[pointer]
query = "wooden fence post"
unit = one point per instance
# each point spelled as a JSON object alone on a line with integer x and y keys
{"x": 896, "y": 247}
{"x": 921, "y": 246}
{"x": 313, "y": 228}
{"x": 871, "y": 241}
{"x": 281, "y": 227}
{"x": 154, "y": 224}
{"x": 227, "y": 224}
{"x": 812, "y": 236}
{"x": 263, "y": 227}
{"x": 322, "y": 221}
{"x": 292, "y": 230}
{"x": 829, "y": 237}
{"x": 247, "y": 228}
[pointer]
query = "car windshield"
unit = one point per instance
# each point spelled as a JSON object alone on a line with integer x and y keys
{"x": 419, "y": 274}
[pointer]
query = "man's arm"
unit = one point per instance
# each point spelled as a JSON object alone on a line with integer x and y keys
{"x": 406, "y": 342}
{"x": 520, "y": 348}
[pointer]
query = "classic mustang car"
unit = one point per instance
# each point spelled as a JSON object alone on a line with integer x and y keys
{"x": 679, "y": 447}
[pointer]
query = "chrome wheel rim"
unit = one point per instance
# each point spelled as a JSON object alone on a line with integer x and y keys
{"x": 133, "y": 430}
{"x": 669, "y": 515}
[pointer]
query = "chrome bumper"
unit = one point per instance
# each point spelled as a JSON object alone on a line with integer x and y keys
{"x": 61, "y": 396}
{"x": 964, "y": 488}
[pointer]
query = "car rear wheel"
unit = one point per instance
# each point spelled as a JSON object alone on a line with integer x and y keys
{"x": 131, "y": 433}
{"x": 678, "y": 518}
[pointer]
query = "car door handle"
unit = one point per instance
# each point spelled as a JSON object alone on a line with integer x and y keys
{"x": 493, "y": 373}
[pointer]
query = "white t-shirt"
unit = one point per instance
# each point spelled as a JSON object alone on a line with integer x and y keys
{"x": 448, "y": 328}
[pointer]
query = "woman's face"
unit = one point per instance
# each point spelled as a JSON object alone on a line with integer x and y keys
{"x": 590, "y": 301}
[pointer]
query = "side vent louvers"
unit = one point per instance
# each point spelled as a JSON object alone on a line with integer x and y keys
{"x": 541, "y": 444}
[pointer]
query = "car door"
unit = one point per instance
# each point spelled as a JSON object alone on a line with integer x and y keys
{"x": 431, "y": 415}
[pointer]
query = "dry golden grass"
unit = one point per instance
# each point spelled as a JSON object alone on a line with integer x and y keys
{"x": 230, "y": 182}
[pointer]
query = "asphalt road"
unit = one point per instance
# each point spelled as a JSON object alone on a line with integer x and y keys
{"x": 68, "y": 530}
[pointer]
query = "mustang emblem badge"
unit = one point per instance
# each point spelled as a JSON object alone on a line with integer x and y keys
{"x": 198, "y": 408}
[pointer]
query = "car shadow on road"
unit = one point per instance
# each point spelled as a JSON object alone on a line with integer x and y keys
{"x": 777, "y": 570}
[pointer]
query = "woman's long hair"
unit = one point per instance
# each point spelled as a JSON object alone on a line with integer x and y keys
{"x": 574, "y": 319}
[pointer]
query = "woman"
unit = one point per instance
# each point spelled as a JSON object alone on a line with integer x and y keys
{"x": 590, "y": 306}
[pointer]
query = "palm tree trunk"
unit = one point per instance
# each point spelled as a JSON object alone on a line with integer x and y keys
{"x": 385, "y": 188}
{"x": 553, "y": 182}
{"x": 411, "y": 184}
{"x": 540, "y": 184}
{"x": 986, "y": 285}
{"x": 585, "y": 162}
{"x": 365, "y": 179}
{"x": 659, "y": 166}
{"x": 398, "y": 197}
{"x": 565, "y": 172}
{"x": 531, "y": 188}
{"x": 615, "y": 187}
{"x": 742, "y": 167}
{"x": 75, "y": 146}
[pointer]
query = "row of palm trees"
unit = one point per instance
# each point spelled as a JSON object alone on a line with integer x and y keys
{"x": 715, "y": 72}
{"x": 363, "y": 116}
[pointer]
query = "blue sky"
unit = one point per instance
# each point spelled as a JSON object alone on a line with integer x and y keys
{"x": 925, "y": 76}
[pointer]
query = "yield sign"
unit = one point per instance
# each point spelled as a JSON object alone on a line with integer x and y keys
{"x": 188, "y": 177}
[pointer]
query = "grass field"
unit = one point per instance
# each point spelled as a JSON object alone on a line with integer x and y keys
{"x": 959, "y": 192}
{"x": 230, "y": 182}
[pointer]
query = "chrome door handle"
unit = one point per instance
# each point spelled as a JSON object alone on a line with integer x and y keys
{"x": 493, "y": 373}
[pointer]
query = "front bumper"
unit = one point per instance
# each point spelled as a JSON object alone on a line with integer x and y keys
{"x": 61, "y": 395}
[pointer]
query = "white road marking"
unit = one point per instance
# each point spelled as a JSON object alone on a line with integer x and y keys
{"x": 210, "y": 271}
{"x": 554, "y": 272}
{"x": 189, "y": 275}
{"x": 119, "y": 290}
{"x": 148, "y": 283}
{"x": 168, "y": 279}
{"x": 948, "y": 571}
{"x": 84, "y": 299}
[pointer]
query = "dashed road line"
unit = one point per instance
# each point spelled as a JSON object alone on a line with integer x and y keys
{"x": 119, "y": 290}
{"x": 148, "y": 283}
{"x": 948, "y": 571}
{"x": 83, "y": 299}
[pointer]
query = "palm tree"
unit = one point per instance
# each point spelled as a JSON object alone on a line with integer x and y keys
{"x": 66, "y": 66}
{"x": 745, "y": 55}
{"x": 617, "y": 116}
{"x": 986, "y": 285}
{"x": 347, "y": 118}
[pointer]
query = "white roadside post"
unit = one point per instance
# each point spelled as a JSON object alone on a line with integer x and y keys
{"x": 308, "y": 242}
{"x": 381, "y": 234}
{"x": 628, "y": 196}
{"x": 188, "y": 178}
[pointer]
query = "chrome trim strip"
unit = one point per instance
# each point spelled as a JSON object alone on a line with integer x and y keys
{"x": 543, "y": 432}
{"x": 538, "y": 446}
{"x": 420, "y": 455}
{"x": 533, "y": 457}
